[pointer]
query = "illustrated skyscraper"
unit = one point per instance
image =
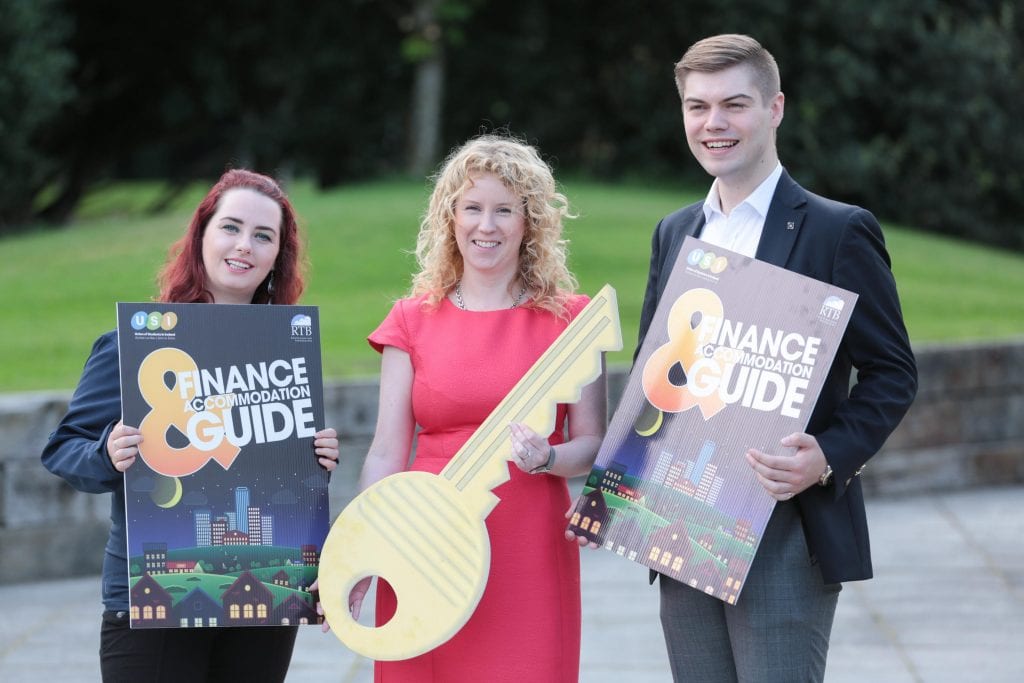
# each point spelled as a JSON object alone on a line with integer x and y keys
{"x": 242, "y": 508}
{"x": 203, "y": 531}
{"x": 703, "y": 458}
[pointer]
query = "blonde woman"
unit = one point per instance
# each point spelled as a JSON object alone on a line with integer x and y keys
{"x": 492, "y": 293}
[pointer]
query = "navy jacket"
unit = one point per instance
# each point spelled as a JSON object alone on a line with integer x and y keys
{"x": 77, "y": 452}
{"x": 842, "y": 245}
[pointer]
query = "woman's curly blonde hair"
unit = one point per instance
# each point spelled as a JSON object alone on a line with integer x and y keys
{"x": 542, "y": 255}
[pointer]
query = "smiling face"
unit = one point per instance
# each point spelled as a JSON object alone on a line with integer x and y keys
{"x": 489, "y": 228}
{"x": 240, "y": 245}
{"x": 729, "y": 127}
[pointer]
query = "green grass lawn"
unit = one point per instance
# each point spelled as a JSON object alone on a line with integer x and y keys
{"x": 59, "y": 286}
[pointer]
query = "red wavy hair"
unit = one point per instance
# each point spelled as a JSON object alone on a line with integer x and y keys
{"x": 183, "y": 278}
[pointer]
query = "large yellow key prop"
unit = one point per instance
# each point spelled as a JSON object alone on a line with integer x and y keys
{"x": 425, "y": 533}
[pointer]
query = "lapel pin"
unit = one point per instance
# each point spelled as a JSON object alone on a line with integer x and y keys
{"x": 790, "y": 225}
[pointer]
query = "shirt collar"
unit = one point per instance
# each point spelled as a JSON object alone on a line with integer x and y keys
{"x": 759, "y": 200}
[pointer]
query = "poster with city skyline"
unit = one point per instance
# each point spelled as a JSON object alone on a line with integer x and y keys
{"x": 226, "y": 504}
{"x": 735, "y": 357}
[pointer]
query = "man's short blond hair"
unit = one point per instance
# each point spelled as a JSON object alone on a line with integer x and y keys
{"x": 721, "y": 52}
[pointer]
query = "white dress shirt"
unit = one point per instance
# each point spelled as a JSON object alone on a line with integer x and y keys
{"x": 740, "y": 231}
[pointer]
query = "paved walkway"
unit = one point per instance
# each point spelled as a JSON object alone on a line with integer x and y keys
{"x": 947, "y": 605}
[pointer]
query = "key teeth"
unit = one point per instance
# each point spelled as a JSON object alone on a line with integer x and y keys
{"x": 615, "y": 343}
{"x": 586, "y": 368}
{"x": 486, "y": 501}
{"x": 598, "y": 324}
{"x": 410, "y": 632}
{"x": 587, "y": 365}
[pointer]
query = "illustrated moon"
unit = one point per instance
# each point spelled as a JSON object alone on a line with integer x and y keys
{"x": 167, "y": 491}
{"x": 649, "y": 421}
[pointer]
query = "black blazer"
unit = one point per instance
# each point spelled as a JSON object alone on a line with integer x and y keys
{"x": 842, "y": 245}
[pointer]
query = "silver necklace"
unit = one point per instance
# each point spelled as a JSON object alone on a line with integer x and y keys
{"x": 461, "y": 303}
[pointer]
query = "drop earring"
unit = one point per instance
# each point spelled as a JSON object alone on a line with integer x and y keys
{"x": 270, "y": 287}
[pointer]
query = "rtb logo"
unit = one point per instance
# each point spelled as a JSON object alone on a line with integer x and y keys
{"x": 154, "y": 321}
{"x": 707, "y": 260}
{"x": 302, "y": 326}
{"x": 832, "y": 309}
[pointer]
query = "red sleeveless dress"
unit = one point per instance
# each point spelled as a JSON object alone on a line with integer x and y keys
{"x": 527, "y": 624}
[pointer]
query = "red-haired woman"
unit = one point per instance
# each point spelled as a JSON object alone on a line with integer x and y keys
{"x": 241, "y": 246}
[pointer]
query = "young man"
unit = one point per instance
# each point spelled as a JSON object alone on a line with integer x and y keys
{"x": 817, "y": 536}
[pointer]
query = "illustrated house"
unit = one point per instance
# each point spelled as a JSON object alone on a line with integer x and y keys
{"x": 743, "y": 532}
{"x": 154, "y": 558}
{"x": 590, "y": 515}
{"x": 623, "y": 535}
{"x": 235, "y": 537}
{"x": 310, "y": 555}
{"x": 628, "y": 493}
{"x": 707, "y": 575}
{"x": 150, "y": 603}
{"x": 669, "y": 548}
{"x": 613, "y": 477}
{"x": 183, "y": 567}
{"x": 295, "y": 610}
{"x": 281, "y": 579}
{"x": 247, "y": 602}
{"x": 198, "y": 609}
{"x": 733, "y": 583}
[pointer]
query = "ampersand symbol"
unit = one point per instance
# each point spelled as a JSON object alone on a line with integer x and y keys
{"x": 683, "y": 347}
{"x": 169, "y": 409}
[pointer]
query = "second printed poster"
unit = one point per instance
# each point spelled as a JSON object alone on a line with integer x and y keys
{"x": 734, "y": 359}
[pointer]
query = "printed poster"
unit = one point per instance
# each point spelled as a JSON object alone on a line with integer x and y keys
{"x": 226, "y": 504}
{"x": 735, "y": 358}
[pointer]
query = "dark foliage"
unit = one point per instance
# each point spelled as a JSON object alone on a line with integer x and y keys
{"x": 907, "y": 107}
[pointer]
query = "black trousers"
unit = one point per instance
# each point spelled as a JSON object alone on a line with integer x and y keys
{"x": 196, "y": 655}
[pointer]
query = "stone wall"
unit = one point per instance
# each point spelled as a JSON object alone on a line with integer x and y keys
{"x": 965, "y": 429}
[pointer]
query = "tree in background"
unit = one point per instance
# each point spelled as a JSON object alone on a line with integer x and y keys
{"x": 35, "y": 83}
{"x": 151, "y": 98}
{"x": 424, "y": 48}
{"x": 908, "y": 107}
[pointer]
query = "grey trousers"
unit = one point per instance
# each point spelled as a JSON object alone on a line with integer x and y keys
{"x": 777, "y": 631}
